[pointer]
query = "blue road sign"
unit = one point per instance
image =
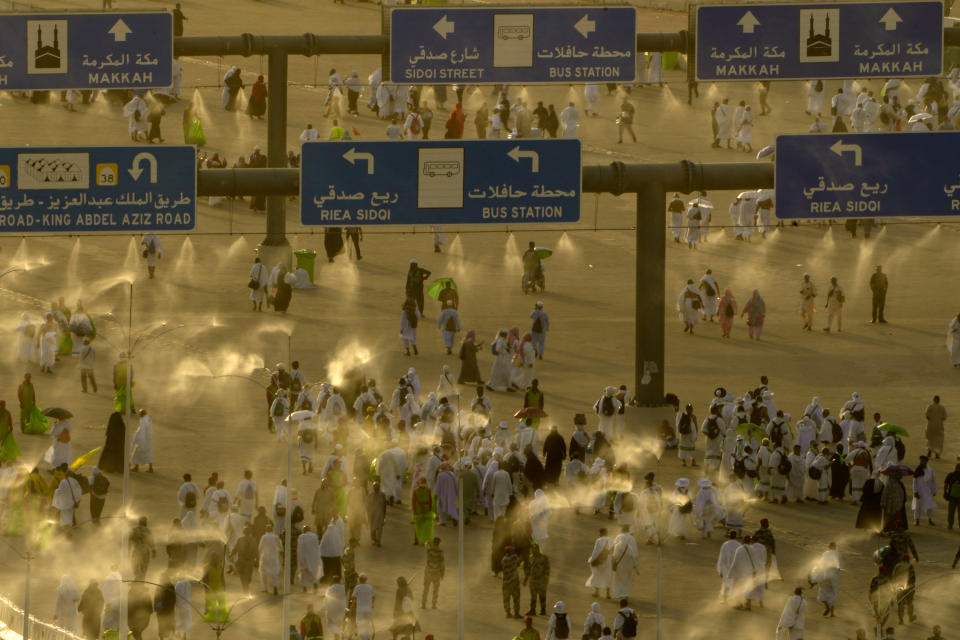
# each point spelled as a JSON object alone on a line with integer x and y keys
{"x": 529, "y": 45}
{"x": 131, "y": 50}
{"x": 440, "y": 182}
{"x": 821, "y": 40}
{"x": 65, "y": 189}
{"x": 868, "y": 175}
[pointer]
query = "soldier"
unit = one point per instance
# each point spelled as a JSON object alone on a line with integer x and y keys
{"x": 538, "y": 575}
{"x": 433, "y": 574}
{"x": 510, "y": 576}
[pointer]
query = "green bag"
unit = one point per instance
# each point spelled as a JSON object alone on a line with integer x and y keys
{"x": 195, "y": 134}
{"x": 37, "y": 423}
{"x": 66, "y": 344}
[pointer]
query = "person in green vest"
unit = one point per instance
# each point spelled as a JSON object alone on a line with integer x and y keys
{"x": 27, "y": 396}
{"x": 120, "y": 385}
{"x": 336, "y": 131}
{"x": 423, "y": 513}
{"x": 533, "y": 398}
{"x": 9, "y": 451}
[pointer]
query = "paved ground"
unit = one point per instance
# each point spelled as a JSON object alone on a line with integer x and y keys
{"x": 205, "y": 424}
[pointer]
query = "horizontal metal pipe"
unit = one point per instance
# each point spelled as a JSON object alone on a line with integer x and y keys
{"x": 307, "y": 44}
{"x": 247, "y": 182}
{"x": 614, "y": 178}
{"x": 662, "y": 41}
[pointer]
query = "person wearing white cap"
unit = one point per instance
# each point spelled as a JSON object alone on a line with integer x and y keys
{"x": 606, "y": 409}
{"x": 707, "y": 509}
{"x": 559, "y": 625}
{"x": 601, "y": 565}
{"x": 539, "y": 328}
{"x": 808, "y": 291}
{"x": 680, "y": 510}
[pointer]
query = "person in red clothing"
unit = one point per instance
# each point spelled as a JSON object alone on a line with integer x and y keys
{"x": 528, "y": 632}
{"x": 455, "y": 123}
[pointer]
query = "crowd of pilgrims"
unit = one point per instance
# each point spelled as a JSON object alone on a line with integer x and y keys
{"x": 417, "y": 450}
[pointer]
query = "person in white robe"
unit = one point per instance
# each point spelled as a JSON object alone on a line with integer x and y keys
{"x": 689, "y": 304}
{"x": 65, "y": 499}
{"x": 61, "y": 451}
{"x": 815, "y": 98}
{"x": 499, "y": 379}
{"x": 815, "y": 412}
{"x": 26, "y": 334}
{"x": 447, "y": 386}
{"x": 655, "y": 68}
{"x": 47, "y": 342}
{"x": 487, "y": 487}
{"x": 143, "y": 443}
{"x": 924, "y": 490}
{"x": 725, "y": 565}
{"x": 594, "y": 620}
{"x": 502, "y": 490}
{"x": 798, "y": 472}
{"x": 748, "y": 573}
{"x": 183, "y": 613}
{"x": 569, "y": 121}
{"x": 591, "y": 93}
{"x": 861, "y": 465}
{"x": 334, "y": 609}
{"x": 695, "y": 219}
{"x": 822, "y": 464}
{"x": 626, "y": 563}
{"x": 260, "y": 275}
{"x": 681, "y": 508}
{"x": 793, "y": 617}
{"x": 137, "y": 111}
{"x": 712, "y": 447}
{"x": 65, "y": 609}
{"x": 709, "y": 296}
{"x": 677, "y": 217}
{"x": 113, "y": 590}
{"x": 269, "y": 550}
{"x": 953, "y": 341}
{"x": 308, "y": 559}
{"x": 524, "y": 362}
{"x": 806, "y": 432}
{"x": 885, "y": 456}
{"x": 826, "y": 575}
{"x": 539, "y": 510}
{"x": 733, "y": 500}
{"x": 724, "y": 122}
{"x": 601, "y": 565}
{"x": 706, "y": 507}
{"x": 279, "y": 410}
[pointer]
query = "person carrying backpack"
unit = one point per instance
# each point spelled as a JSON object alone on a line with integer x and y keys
{"x": 413, "y": 126}
{"x": 625, "y": 623}
{"x": 687, "y": 435}
{"x": 559, "y": 626}
{"x": 713, "y": 428}
{"x": 538, "y": 330}
{"x": 606, "y": 409}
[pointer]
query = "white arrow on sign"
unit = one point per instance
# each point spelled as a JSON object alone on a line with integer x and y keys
{"x": 352, "y": 155}
{"x": 585, "y": 26}
{"x": 838, "y": 148}
{"x": 516, "y": 154}
{"x": 444, "y": 27}
{"x": 890, "y": 20}
{"x": 120, "y": 31}
{"x": 748, "y": 22}
{"x": 135, "y": 169}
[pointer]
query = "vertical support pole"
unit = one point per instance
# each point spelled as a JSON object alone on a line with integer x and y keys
{"x": 650, "y": 273}
{"x": 288, "y": 569}
{"x": 124, "y": 625}
{"x": 277, "y": 144}
{"x": 26, "y": 594}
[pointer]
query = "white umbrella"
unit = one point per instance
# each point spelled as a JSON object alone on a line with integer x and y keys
{"x": 701, "y": 202}
{"x": 303, "y": 414}
{"x": 920, "y": 117}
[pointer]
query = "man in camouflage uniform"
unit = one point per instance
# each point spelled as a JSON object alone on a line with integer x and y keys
{"x": 433, "y": 574}
{"x": 510, "y": 576}
{"x": 538, "y": 575}
{"x": 349, "y": 563}
{"x": 902, "y": 543}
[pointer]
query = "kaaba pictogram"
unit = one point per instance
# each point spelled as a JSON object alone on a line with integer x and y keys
{"x": 47, "y": 46}
{"x": 819, "y": 35}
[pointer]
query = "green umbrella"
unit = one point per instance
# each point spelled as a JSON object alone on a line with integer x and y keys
{"x": 892, "y": 428}
{"x": 748, "y": 429}
{"x": 543, "y": 253}
{"x": 438, "y": 285}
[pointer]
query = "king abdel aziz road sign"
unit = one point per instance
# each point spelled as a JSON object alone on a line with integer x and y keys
{"x": 528, "y": 45}
{"x": 868, "y": 175}
{"x": 819, "y": 40}
{"x": 127, "y": 50}
{"x": 66, "y": 189}
{"x": 434, "y": 182}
